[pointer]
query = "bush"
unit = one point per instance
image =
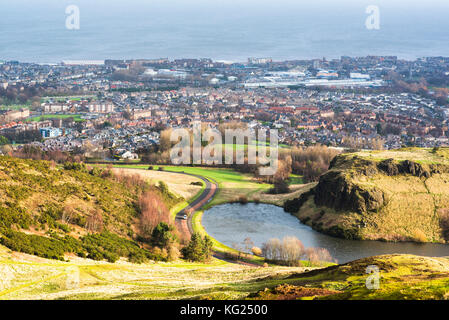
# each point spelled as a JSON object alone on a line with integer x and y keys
{"x": 109, "y": 246}
{"x": 40, "y": 246}
{"x": 290, "y": 251}
{"x": 163, "y": 235}
{"x": 161, "y": 169}
{"x": 243, "y": 200}
{"x": 74, "y": 166}
{"x": 280, "y": 187}
{"x": 256, "y": 251}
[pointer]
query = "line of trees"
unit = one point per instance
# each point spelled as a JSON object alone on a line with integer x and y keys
{"x": 290, "y": 251}
{"x": 311, "y": 162}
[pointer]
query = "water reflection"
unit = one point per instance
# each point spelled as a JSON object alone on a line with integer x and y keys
{"x": 232, "y": 223}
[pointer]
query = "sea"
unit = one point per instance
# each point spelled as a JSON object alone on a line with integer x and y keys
{"x": 223, "y": 30}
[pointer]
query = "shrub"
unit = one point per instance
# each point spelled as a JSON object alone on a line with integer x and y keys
{"x": 163, "y": 235}
{"x": 318, "y": 256}
{"x": 256, "y": 251}
{"x": 243, "y": 200}
{"x": 109, "y": 246}
{"x": 419, "y": 236}
{"x": 74, "y": 166}
{"x": 40, "y": 246}
{"x": 280, "y": 187}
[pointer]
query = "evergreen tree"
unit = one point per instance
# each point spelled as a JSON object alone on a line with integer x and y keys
{"x": 162, "y": 236}
{"x": 198, "y": 249}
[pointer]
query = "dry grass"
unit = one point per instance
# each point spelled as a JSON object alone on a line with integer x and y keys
{"x": 424, "y": 155}
{"x": 28, "y": 277}
{"x": 179, "y": 184}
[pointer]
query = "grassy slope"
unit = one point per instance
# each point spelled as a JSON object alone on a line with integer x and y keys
{"x": 34, "y": 186}
{"x": 35, "y": 197}
{"x": 413, "y": 209}
{"x": 28, "y": 277}
{"x": 401, "y": 277}
{"x": 232, "y": 184}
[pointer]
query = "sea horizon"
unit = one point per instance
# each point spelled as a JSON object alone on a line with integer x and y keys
{"x": 226, "y": 30}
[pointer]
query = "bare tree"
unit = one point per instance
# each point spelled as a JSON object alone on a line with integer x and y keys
{"x": 94, "y": 223}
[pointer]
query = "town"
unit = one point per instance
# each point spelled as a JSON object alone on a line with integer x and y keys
{"x": 117, "y": 109}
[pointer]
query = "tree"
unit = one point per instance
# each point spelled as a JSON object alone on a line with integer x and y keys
{"x": 94, "y": 222}
{"x": 3, "y": 141}
{"x": 163, "y": 235}
{"x": 249, "y": 244}
{"x": 165, "y": 140}
{"x": 199, "y": 249}
{"x": 207, "y": 248}
{"x": 280, "y": 187}
{"x": 153, "y": 211}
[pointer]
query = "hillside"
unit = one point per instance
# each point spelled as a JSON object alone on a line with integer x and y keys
{"x": 400, "y": 195}
{"x": 401, "y": 277}
{"x": 50, "y": 210}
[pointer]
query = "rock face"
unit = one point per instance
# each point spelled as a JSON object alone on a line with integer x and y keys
{"x": 361, "y": 197}
{"x": 338, "y": 188}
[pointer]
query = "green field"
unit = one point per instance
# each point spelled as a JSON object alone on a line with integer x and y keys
{"x": 15, "y": 107}
{"x": 64, "y": 98}
{"x": 76, "y": 117}
{"x": 232, "y": 184}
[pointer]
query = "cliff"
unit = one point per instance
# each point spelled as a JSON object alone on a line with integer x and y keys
{"x": 400, "y": 195}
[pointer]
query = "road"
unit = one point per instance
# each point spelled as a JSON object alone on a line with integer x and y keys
{"x": 209, "y": 192}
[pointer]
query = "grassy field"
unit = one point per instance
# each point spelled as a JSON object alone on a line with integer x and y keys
{"x": 400, "y": 277}
{"x": 15, "y": 107}
{"x": 76, "y": 117}
{"x": 64, "y": 98}
{"x": 420, "y": 155}
{"x": 28, "y": 277}
{"x": 232, "y": 184}
{"x": 180, "y": 185}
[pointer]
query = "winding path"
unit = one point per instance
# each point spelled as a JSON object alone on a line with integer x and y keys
{"x": 207, "y": 195}
{"x": 185, "y": 226}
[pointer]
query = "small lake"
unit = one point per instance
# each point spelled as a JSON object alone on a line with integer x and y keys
{"x": 232, "y": 223}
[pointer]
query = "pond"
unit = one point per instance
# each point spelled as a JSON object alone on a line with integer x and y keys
{"x": 232, "y": 223}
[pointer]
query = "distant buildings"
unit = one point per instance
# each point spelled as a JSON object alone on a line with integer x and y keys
{"x": 101, "y": 107}
{"x": 356, "y": 75}
{"x": 140, "y": 114}
{"x": 50, "y": 132}
{"x": 260, "y": 60}
{"x": 13, "y": 115}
